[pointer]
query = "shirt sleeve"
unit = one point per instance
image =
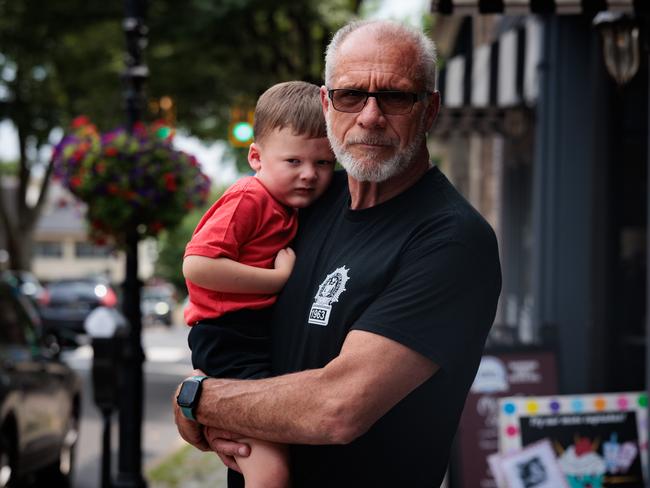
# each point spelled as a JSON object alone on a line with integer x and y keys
{"x": 226, "y": 227}
{"x": 440, "y": 302}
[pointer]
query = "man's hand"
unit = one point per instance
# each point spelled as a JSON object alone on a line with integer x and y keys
{"x": 226, "y": 445}
{"x": 190, "y": 431}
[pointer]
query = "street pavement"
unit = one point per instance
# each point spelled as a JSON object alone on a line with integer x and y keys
{"x": 167, "y": 363}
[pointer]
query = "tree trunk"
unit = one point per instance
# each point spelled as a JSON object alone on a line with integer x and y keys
{"x": 17, "y": 218}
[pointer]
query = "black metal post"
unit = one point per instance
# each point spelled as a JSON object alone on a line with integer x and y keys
{"x": 132, "y": 391}
{"x": 106, "y": 449}
{"x": 644, "y": 18}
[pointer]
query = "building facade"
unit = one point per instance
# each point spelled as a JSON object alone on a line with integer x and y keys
{"x": 554, "y": 152}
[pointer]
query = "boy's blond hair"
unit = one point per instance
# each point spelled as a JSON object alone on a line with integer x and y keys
{"x": 293, "y": 104}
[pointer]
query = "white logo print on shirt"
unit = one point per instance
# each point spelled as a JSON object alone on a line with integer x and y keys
{"x": 329, "y": 292}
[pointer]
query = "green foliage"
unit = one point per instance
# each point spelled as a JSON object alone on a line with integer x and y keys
{"x": 8, "y": 168}
{"x": 171, "y": 246}
{"x": 188, "y": 467}
{"x": 211, "y": 56}
{"x": 60, "y": 59}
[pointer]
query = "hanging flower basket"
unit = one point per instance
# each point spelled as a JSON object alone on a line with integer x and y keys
{"x": 129, "y": 180}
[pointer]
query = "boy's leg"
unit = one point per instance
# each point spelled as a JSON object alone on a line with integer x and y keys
{"x": 267, "y": 466}
{"x": 217, "y": 351}
{"x": 205, "y": 343}
{"x": 230, "y": 350}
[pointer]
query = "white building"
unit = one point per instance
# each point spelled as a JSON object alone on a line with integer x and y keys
{"x": 62, "y": 248}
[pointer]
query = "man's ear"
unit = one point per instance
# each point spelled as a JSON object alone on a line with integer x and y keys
{"x": 432, "y": 109}
{"x": 325, "y": 102}
{"x": 254, "y": 157}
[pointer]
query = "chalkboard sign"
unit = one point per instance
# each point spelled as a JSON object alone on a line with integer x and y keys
{"x": 599, "y": 440}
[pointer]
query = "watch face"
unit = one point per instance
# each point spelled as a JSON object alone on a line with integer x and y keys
{"x": 188, "y": 393}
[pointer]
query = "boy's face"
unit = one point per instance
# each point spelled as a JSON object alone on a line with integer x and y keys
{"x": 295, "y": 169}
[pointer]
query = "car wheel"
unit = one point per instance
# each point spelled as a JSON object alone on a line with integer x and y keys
{"x": 7, "y": 459}
{"x": 59, "y": 474}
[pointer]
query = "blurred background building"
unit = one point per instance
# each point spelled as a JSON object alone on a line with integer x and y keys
{"x": 553, "y": 151}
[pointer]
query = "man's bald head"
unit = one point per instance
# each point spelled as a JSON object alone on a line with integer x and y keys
{"x": 387, "y": 33}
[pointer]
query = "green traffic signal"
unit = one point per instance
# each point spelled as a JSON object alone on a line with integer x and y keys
{"x": 242, "y": 131}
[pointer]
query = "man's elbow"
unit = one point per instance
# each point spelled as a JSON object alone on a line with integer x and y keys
{"x": 345, "y": 422}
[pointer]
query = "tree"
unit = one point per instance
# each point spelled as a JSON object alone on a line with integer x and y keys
{"x": 230, "y": 51}
{"x": 62, "y": 59}
{"x": 57, "y": 59}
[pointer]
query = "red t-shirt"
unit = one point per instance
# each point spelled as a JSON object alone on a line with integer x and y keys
{"x": 246, "y": 225}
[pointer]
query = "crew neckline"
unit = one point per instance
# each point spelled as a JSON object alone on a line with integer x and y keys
{"x": 369, "y": 213}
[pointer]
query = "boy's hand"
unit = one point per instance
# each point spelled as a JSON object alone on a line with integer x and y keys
{"x": 284, "y": 261}
{"x": 227, "y": 446}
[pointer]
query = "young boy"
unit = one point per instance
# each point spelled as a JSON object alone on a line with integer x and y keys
{"x": 238, "y": 257}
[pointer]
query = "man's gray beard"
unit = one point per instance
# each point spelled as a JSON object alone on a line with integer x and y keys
{"x": 374, "y": 169}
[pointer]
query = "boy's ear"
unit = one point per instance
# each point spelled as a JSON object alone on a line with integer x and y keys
{"x": 254, "y": 160}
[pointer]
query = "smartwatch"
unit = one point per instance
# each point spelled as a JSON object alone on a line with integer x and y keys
{"x": 188, "y": 396}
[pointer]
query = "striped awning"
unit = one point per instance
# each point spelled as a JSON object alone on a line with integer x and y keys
{"x": 502, "y": 74}
{"x": 523, "y": 7}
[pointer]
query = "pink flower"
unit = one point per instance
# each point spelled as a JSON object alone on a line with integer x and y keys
{"x": 80, "y": 121}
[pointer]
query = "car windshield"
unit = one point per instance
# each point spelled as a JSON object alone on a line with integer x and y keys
{"x": 156, "y": 294}
{"x": 72, "y": 288}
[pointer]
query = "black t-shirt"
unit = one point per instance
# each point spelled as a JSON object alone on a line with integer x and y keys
{"x": 421, "y": 269}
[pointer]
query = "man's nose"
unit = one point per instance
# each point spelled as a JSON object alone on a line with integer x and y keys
{"x": 371, "y": 115}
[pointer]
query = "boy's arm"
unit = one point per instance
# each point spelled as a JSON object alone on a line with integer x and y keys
{"x": 228, "y": 276}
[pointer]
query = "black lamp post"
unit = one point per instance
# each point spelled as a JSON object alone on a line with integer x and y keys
{"x": 132, "y": 397}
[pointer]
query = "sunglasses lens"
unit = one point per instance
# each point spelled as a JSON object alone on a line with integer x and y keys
{"x": 390, "y": 102}
{"x": 395, "y": 103}
{"x": 349, "y": 100}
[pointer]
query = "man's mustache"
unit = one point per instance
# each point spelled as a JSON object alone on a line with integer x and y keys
{"x": 372, "y": 140}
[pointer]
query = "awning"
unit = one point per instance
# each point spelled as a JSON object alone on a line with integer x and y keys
{"x": 523, "y": 7}
{"x": 484, "y": 87}
{"x": 502, "y": 74}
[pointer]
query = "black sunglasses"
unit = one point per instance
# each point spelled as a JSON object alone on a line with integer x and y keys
{"x": 391, "y": 102}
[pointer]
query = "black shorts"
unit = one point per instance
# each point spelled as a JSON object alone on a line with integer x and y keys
{"x": 235, "y": 345}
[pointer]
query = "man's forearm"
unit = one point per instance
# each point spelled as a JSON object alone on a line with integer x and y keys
{"x": 331, "y": 405}
{"x": 286, "y": 409}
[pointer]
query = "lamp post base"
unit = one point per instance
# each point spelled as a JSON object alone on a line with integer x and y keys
{"x": 130, "y": 481}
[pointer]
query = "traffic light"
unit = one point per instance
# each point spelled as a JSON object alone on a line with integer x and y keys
{"x": 240, "y": 130}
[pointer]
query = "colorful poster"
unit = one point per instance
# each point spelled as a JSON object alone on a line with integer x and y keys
{"x": 501, "y": 374}
{"x": 599, "y": 440}
{"x": 535, "y": 466}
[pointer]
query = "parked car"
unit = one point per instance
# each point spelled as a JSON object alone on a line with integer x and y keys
{"x": 39, "y": 398}
{"x": 30, "y": 286}
{"x": 68, "y": 303}
{"x": 157, "y": 304}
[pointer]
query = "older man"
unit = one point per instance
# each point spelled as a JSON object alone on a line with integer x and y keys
{"x": 379, "y": 331}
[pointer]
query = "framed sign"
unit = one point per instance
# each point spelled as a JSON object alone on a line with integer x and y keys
{"x": 599, "y": 440}
{"x": 502, "y": 373}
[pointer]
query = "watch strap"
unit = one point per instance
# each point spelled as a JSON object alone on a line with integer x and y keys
{"x": 188, "y": 412}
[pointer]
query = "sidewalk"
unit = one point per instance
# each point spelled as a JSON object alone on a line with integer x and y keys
{"x": 188, "y": 468}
